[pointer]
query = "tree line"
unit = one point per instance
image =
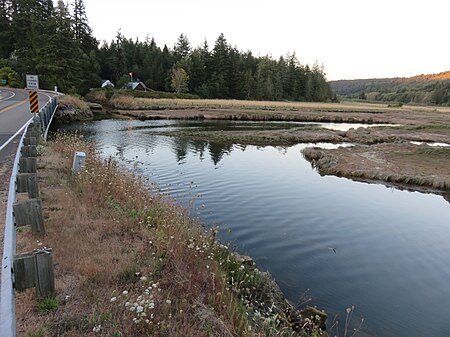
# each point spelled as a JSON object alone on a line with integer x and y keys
{"x": 422, "y": 89}
{"x": 56, "y": 42}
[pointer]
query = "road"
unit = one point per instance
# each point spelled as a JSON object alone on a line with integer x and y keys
{"x": 14, "y": 111}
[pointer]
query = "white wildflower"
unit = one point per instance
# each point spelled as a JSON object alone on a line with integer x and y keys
{"x": 113, "y": 299}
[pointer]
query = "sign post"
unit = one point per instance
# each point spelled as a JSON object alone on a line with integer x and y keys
{"x": 33, "y": 82}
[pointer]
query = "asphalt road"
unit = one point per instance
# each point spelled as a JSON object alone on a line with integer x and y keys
{"x": 15, "y": 111}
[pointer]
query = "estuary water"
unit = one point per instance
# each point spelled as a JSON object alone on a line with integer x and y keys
{"x": 391, "y": 256}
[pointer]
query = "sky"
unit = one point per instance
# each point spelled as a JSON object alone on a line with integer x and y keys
{"x": 351, "y": 38}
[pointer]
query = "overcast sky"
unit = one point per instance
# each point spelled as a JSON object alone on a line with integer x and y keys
{"x": 352, "y": 38}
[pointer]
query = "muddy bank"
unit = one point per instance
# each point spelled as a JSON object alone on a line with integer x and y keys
{"x": 404, "y": 165}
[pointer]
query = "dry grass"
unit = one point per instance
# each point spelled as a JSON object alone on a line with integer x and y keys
{"x": 74, "y": 101}
{"x": 130, "y": 264}
{"x": 128, "y": 102}
{"x": 403, "y": 164}
{"x": 121, "y": 101}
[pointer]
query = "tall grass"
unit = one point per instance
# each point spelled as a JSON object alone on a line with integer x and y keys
{"x": 136, "y": 101}
{"x": 74, "y": 101}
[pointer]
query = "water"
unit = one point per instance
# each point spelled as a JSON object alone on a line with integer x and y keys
{"x": 392, "y": 259}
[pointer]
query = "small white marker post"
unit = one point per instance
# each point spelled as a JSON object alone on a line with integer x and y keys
{"x": 78, "y": 162}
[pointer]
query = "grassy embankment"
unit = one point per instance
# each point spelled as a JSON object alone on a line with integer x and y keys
{"x": 130, "y": 264}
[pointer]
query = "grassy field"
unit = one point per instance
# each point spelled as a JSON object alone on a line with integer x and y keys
{"x": 130, "y": 264}
{"x": 121, "y": 101}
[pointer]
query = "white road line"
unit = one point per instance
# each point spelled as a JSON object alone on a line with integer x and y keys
{"x": 25, "y": 125}
{"x": 15, "y": 135}
{"x": 4, "y": 99}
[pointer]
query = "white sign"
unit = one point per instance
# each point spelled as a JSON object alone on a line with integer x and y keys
{"x": 33, "y": 82}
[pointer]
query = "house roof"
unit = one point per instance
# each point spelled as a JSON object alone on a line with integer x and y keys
{"x": 106, "y": 83}
{"x": 134, "y": 85}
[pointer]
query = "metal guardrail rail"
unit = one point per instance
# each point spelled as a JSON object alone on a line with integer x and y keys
{"x": 7, "y": 296}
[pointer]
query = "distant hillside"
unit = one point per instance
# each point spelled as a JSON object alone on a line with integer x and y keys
{"x": 421, "y": 89}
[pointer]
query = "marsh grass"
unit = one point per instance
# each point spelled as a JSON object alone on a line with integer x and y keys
{"x": 123, "y": 100}
{"x": 424, "y": 166}
{"x": 128, "y": 102}
{"x": 130, "y": 264}
{"x": 74, "y": 101}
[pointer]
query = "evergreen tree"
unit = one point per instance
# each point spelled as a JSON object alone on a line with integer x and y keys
{"x": 59, "y": 58}
{"x": 220, "y": 67}
{"x": 81, "y": 28}
{"x": 59, "y": 46}
{"x": 182, "y": 48}
{"x": 6, "y": 38}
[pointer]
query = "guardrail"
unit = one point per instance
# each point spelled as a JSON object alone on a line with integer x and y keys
{"x": 46, "y": 115}
{"x": 42, "y": 121}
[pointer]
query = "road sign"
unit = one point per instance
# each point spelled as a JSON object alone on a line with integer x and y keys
{"x": 34, "y": 101}
{"x": 33, "y": 82}
{"x": 4, "y": 82}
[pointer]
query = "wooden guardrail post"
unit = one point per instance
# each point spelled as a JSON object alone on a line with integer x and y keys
{"x": 30, "y": 141}
{"x": 35, "y": 269}
{"x": 45, "y": 279}
{"x": 27, "y": 182}
{"x": 29, "y": 213}
{"x": 29, "y": 151}
{"x": 28, "y": 165}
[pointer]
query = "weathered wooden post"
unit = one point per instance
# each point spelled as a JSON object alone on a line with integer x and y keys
{"x": 29, "y": 213}
{"x": 27, "y": 182}
{"x": 29, "y": 151}
{"x": 24, "y": 271}
{"x": 28, "y": 165}
{"x": 45, "y": 279}
{"x": 35, "y": 269}
{"x": 29, "y": 141}
{"x": 33, "y": 130}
